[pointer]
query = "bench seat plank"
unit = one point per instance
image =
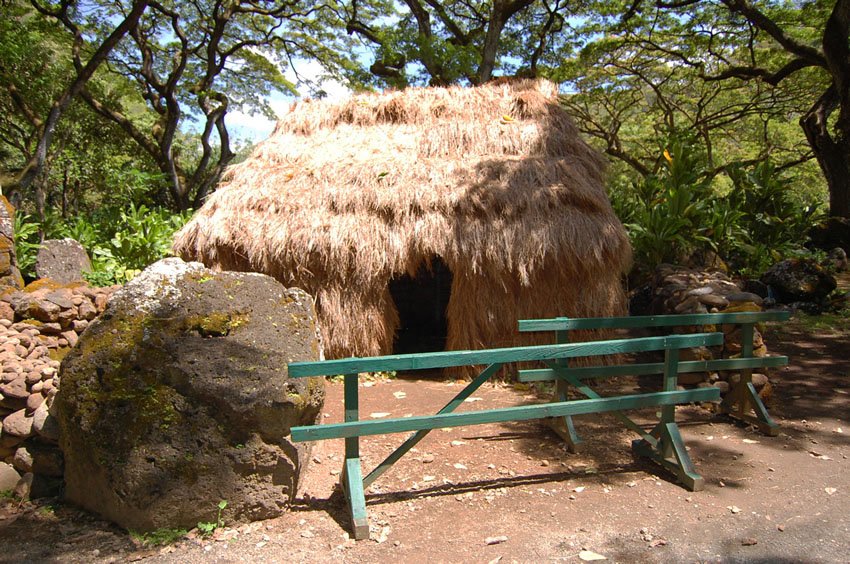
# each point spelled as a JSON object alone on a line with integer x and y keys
{"x": 520, "y": 413}
{"x": 585, "y": 372}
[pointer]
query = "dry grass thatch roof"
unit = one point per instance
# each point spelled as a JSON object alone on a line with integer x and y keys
{"x": 495, "y": 180}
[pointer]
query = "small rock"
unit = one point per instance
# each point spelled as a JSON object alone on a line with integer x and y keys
{"x": 44, "y": 424}
{"x": 713, "y": 300}
{"x": 33, "y": 401}
{"x": 749, "y": 542}
{"x": 9, "y": 477}
{"x": 744, "y": 297}
{"x": 590, "y": 556}
{"x": 427, "y": 458}
{"x": 734, "y": 509}
{"x": 87, "y": 311}
{"x": 22, "y": 461}
{"x": 51, "y": 329}
{"x": 24, "y": 486}
{"x": 71, "y": 337}
{"x": 16, "y": 389}
{"x": 18, "y": 424}
{"x": 495, "y": 540}
{"x": 657, "y": 542}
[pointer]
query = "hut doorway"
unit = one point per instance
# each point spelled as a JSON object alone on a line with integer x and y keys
{"x": 421, "y": 302}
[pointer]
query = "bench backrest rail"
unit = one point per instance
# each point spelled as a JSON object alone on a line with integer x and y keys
{"x": 648, "y": 321}
{"x": 741, "y": 402}
{"x": 449, "y": 359}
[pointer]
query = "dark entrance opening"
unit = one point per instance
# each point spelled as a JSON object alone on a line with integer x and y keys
{"x": 421, "y": 301}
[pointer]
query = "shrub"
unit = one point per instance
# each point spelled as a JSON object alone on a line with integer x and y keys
{"x": 677, "y": 212}
{"x": 120, "y": 241}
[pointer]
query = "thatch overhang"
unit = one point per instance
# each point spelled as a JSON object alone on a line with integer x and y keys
{"x": 495, "y": 181}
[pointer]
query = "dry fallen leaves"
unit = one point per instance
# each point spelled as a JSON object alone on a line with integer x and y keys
{"x": 749, "y": 542}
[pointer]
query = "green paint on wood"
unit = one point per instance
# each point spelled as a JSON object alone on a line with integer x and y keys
{"x": 520, "y": 413}
{"x": 585, "y": 372}
{"x": 643, "y": 321}
{"x": 421, "y": 361}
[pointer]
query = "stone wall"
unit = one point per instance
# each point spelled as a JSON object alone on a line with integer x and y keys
{"x": 680, "y": 290}
{"x": 10, "y": 275}
{"x": 38, "y": 326}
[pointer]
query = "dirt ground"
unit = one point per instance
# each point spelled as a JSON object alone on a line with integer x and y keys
{"x": 767, "y": 499}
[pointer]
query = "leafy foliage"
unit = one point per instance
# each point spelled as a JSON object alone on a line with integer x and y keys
{"x": 159, "y": 537}
{"x": 206, "y": 529}
{"x": 120, "y": 241}
{"x": 680, "y": 212}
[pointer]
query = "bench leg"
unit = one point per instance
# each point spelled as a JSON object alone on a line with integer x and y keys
{"x": 564, "y": 426}
{"x": 669, "y": 450}
{"x": 352, "y": 475}
{"x": 671, "y": 454}
{"x": 352, "y": 486}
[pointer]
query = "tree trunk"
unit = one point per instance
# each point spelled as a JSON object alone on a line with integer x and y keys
{"x": 36, "y": 165}
{"x": 832, "y": 152}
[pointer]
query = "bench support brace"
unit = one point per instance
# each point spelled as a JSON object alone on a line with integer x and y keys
{"x": 743, "y": 397}
{"x": 670, "y": 453}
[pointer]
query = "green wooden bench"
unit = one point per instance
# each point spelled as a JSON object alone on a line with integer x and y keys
{"x": 663, "y": 443}
{"x": 741, "y": 402}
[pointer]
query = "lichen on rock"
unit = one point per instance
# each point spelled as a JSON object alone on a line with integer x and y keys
{"x": 177, "y": 397}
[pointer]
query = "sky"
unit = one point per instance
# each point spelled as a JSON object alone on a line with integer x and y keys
{"x": 245, "y": 127}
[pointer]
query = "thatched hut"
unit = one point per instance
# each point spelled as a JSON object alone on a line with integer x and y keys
{"x": 444, "y": 214}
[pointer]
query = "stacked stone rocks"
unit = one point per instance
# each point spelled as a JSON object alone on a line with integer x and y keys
{"x": 38, "y": 326}
{"x": 679, "y": 290}
{"x": 10, "y": 275}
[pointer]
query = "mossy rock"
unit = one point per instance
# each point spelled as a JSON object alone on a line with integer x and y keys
{"x": 177, "y": 397}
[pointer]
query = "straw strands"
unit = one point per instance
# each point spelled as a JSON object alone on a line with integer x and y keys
{"x": 494, "y": 180}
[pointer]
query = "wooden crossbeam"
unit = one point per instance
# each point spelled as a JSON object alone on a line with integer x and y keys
{"x": 421, "y": 361}
{"x": 586, "y": 372}
{"x": 646, "y": 321}
{"x": 520, "y": 413}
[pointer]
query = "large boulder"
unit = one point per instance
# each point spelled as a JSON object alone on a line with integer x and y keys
{"x": 62, "y": 260}
{"x": 799, "y": 280}
{"x": 177, "y": 397}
